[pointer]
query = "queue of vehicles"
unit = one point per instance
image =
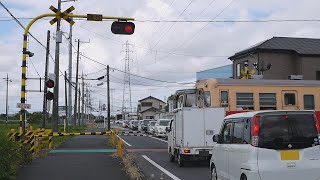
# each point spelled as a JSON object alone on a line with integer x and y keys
{"x": 149, "y": 126}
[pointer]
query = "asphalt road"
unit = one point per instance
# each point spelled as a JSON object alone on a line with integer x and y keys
{"x": 153, "y": 159}
{"x": 86, "y": 163}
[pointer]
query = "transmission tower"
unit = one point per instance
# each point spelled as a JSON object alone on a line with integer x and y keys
{"x": 126, "y": 96}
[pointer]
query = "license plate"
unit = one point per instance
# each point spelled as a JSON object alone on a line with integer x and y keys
{"x": 203, "y": 153}
{"x": 289, "y": 155}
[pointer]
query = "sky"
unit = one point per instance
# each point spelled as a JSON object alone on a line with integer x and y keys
{"x": 165, "y": 51}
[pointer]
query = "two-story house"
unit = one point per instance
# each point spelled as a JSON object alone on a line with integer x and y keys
{"x": 281, "y": 58}
{"x": 149, "y": 106}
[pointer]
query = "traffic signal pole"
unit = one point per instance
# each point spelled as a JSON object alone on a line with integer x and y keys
{"x": 22, "y": 118}
{"x": 45, "y": 113}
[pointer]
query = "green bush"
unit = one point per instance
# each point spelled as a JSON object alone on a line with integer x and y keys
{"x": 12, "y": 156}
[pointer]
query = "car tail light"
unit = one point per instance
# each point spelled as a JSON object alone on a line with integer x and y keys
{"x": 186, "y": 151}
{"x": 255, "y": 131}
{"x": 317, "y": 121}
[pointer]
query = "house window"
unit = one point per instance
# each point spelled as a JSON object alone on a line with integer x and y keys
{"x": 268, "y": 101}
{"x": 308, "y": 102}
{"x": 149, "y": 117}
{"x": 146, "y": 104}
{"x": 207, "y": 99}
{"x": 289, "y": 99}
{"x": 224, "y": 98}
{"x": 160, "y": 106}
{"x": 245, "y": 101}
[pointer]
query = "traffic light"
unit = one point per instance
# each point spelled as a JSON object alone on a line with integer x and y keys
{"x": 119, "y": 27}
{"x": 50, "y": 84}
{"x": 49, "y": 95}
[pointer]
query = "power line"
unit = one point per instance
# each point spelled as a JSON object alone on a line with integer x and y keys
{"x": 155, "y": 79}
{"x": 196, "y": 33}
{"x": 172, "y": 24}
{"x": 230, "y": 21}
{"x": 20, "y": 23}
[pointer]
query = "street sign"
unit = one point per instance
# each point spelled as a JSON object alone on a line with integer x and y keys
{"x": 24, "y": 106}
{"x": 64, "y": 15}
{"x": 94, "y": 17}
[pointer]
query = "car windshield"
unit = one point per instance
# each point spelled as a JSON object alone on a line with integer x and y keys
{"x": 164, "y": 123}
{"x": 152, "y": 123}
{"x": 146, "y": 122}
{"x": 292, "y": 131}
{"x": 135, "y": 122}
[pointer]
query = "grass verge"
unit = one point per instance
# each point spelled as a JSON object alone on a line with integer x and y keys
{"x": 12, "y": 156}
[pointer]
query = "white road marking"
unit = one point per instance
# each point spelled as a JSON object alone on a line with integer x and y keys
{"x": 161, "y": 168}
{"x": 158, "y": 139}
{"x": 124, "y": 141}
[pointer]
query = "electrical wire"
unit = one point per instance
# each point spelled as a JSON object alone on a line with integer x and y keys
{"x": 166, "y": 32}
{"x": 186, "y": 41}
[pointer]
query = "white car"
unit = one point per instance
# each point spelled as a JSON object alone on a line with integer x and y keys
{"x": 160, "y": 127}
{"x": 267, "y": 145}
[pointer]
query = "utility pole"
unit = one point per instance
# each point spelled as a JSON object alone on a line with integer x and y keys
{"x": 79, "y": 106}
{"x": 87, "y": 102}
{"x": 70, "y": 76}
{"x": 76, "y": 89}
{"x": 66, "y": 99}
{"x": 7, "y": 79}
{"x": 82, "y": 107}
{"x": 45, "y": 105}
{"x": 55, "y": 115}
{"x": 108, "y": 96}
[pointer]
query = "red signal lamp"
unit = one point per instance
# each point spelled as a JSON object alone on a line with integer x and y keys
{"x": 125, "y": 28}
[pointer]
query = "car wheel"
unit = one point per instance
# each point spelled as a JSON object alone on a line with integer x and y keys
{"x": 243, "y": 177}
{"x": 180, "y": 160}
{"x": 214, "y": 173}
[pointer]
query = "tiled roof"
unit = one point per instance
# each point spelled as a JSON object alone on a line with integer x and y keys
{"x": 301, "y": 46}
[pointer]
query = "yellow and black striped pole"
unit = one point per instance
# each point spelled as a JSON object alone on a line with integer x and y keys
{"x": 66, "y": 16}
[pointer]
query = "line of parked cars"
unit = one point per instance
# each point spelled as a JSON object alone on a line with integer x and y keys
{"x": 150, "y": 126}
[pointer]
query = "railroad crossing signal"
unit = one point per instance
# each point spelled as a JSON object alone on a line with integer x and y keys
{"x": 64, "y": 15}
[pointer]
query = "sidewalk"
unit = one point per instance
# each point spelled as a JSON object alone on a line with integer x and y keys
{"x": 82, "y": 157}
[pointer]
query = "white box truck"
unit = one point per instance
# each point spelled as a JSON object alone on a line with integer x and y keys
{"x": 191, "y": 131}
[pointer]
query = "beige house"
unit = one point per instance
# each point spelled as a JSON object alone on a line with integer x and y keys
{"x": 149, "y": 107}
{"x": 281, "y": 58}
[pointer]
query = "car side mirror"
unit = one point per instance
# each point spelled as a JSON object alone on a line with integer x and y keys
{"x": 215, "y": 138}
{"x": 168, "y": 129}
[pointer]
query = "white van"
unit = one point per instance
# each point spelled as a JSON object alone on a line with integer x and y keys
{"x": 267, "y": 145}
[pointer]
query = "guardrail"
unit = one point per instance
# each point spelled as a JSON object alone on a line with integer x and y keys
{"x": 39, "y": 139}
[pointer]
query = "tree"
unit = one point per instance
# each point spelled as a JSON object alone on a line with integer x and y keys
{"x": 35, "y": 118}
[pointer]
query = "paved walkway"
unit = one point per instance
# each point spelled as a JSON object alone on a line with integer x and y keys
{"x": 82, "y": 157}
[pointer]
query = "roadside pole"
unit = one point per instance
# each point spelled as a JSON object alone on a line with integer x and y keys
{"x": 70, "y": 77}
{"x": 55, "y": 115}
{"x": 82, "y": 107}
{"x": 45, "y": 105}
{"x": 66, "y": 123}
{"x": 108, "y": 96}
{"x": 76, "y": 89}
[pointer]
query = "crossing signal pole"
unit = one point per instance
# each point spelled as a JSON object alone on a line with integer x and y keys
{"x": 57, "y": 16}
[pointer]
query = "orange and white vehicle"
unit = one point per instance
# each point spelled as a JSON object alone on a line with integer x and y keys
{"x": 262, "y": 94}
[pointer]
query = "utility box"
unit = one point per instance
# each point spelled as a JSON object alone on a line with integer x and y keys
{"x": 59, "y": 37}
